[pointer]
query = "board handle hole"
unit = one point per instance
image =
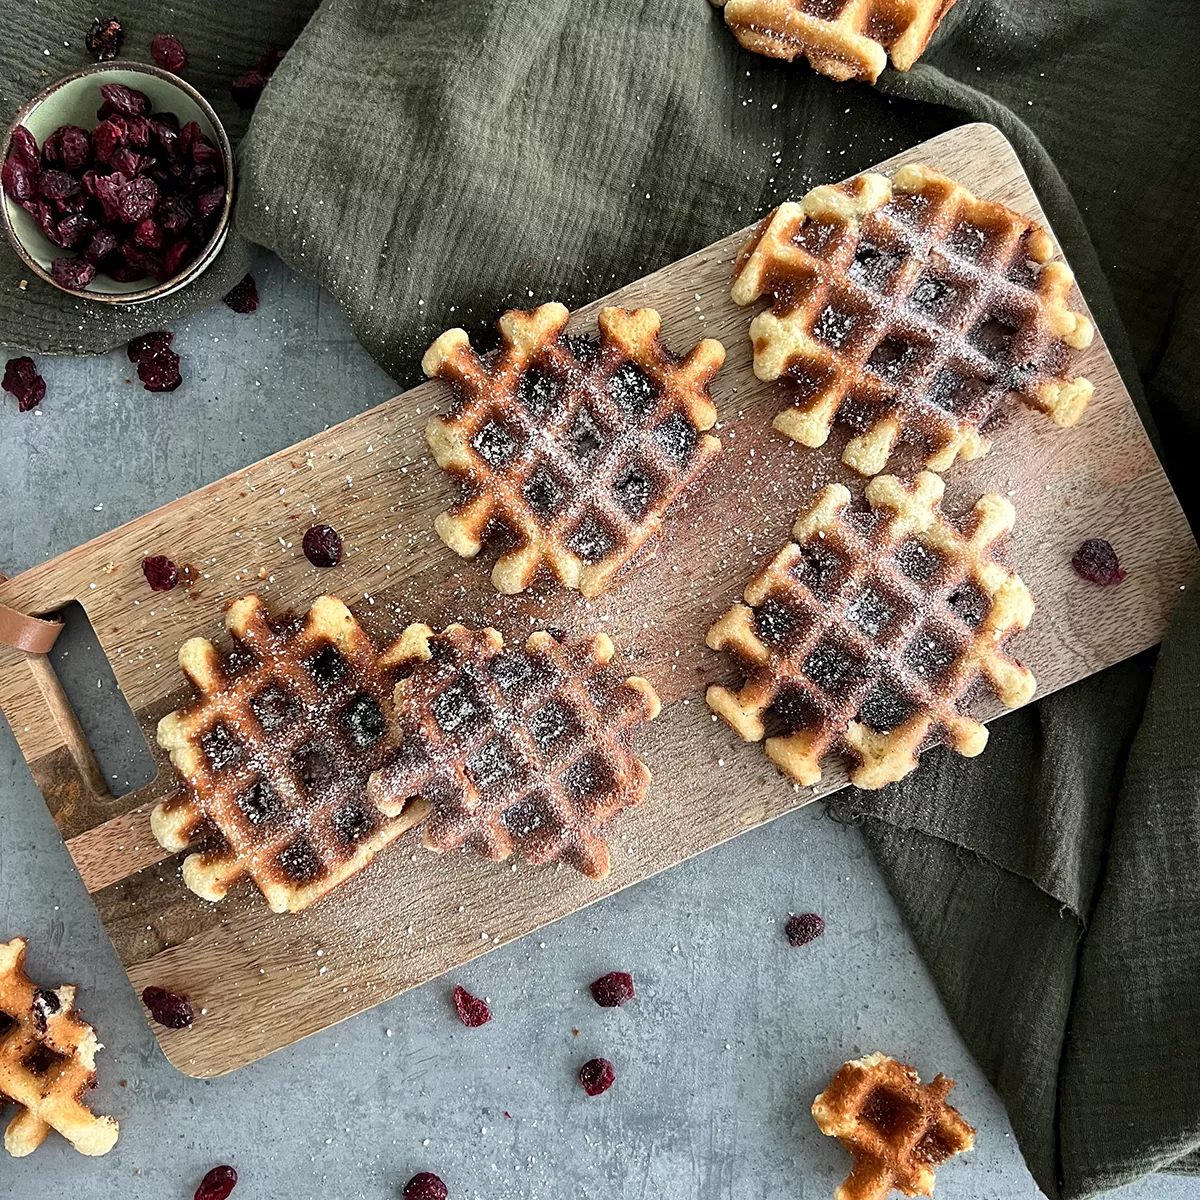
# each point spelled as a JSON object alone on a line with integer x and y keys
{"x": 112, "y": 731}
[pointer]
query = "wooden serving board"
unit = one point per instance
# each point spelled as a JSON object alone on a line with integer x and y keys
{"x": 412, "y": 915}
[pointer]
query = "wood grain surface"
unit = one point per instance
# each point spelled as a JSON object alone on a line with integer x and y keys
{"x": 413, "y": 915}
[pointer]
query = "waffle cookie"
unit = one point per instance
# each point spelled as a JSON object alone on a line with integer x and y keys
{"x": 908, "y": 309}
{"x": 870, "y": 630}
{"x": 47, "y": 1063}
{"x": 571, "y": 449}
{"x": 897, "y": 1128}
{"x": 523, "y": 750}
{"x": 274, "y": 755}
{"x": 844, "y": 39}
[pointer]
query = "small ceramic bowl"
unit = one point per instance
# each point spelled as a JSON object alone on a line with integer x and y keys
{"x": 74, "y": 101}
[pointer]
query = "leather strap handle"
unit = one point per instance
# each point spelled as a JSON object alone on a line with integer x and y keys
{"x": 30, "y": 634}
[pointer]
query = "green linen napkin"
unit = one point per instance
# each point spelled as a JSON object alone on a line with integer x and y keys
{"x": 432, "y": 164}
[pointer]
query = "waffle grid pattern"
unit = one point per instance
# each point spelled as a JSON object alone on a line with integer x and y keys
{"x": 571, "y": 450}
{"x": 845, "y": 39}
{"x": 47, "y": 1063}
{"x": 516, "y": 750}
{"x": 897, "y": 1128}
{"x": 868, "y": 630}
{"x": 909, "y": 308}
{"x": 275, "y": 755}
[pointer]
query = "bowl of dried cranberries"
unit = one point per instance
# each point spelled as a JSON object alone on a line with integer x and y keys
{"x": 117, "y": 183}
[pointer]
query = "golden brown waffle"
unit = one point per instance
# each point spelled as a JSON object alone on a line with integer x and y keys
{"x": 522, "y": 750}
{"x": 569, "y": 448}
{"x": 47, "y": 1063}
{"x": 845, "y": 39}
{"x": 275, "y": 755}
{"x": 897, "y": 1128}
{"x": 908, "y": 309}
{"x": 870, "y": 630}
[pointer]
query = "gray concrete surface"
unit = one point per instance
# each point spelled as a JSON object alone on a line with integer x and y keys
{"x": 718, "y": 1058}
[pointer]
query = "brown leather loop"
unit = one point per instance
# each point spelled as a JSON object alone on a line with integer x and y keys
{"x": 30, "y": 634}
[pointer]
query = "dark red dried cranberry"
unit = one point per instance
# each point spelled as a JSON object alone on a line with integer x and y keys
{"x": 108, "y": 191}
{"x": 167, "y": 1008}
{"x": 243, "y": 298}
{"x": 20, "y": 182}
{"x": 1097, "y": 562}
{"x": 104, "y": 38}
{"x": 203, "y": 151}
{"x": 138, "y": 199}
{"x": 168, "y": 52}
{"x": 75, "y": 147}
{"x": 174, "y": 257}
{"x": 103, "y": 243}
{"x": 323, "y": 546}
{"x": 108, "y": 137}
{"x": 472, "y": 1011}
{"x": 425, "y": 1185}
{"x": 208, "y": 202}
{"x": 162, "y": 575}
{"x": 613, "y": 990}
{"x": 56, "y": 185}
{"x": 804, "y": 928}
{"x": 147, "y": 232}
{"x": 138, "y": 131}
{"x": 52, "y": 151}
{"x": 160, "y": 372}
{"x": 21, "y": 379}
{"x": 75, "y": 229}
{"x": 24, "y": 145}
{"x": 73, "y": 273}
{"x": 149, "y": 344}
{"x": 248, "y": 87}
{"x": 127, "y": 101}
{"x": 174, "y": 213}
{"x": 127, "y": 161}
{"x": 217, "y": 1184}
{"x": 597, "y": 1076}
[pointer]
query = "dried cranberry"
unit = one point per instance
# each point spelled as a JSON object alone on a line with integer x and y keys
{"x": 20, "y": 182}
{"x": 122, "y": 271}
{"x": 167, "y": 1008}
{"x": 75, "y": 147}
{"x": 425, "y": 1185}
{"x": 174, "y": 213}
{"x": 1097, "y": 562}
{"x": 203, "y": 151}
{"x": 217, "y": 1184}
{"x": 138, "y": 131}
{"x": 52, "y": 151}
{"x": 55, "y": 184}
{"x": 128, "y": 161}
{"x": 168, "y": 52}
{"x": 248, "y": 87}
{"x": 108, "y": 191}
{"x": 21, "y": 379}
{"x": 323, "y": 546}
{"x": 147, "y": 232}
{"x": 103, "y": 243}
{"x": 243, "y": 298}
{"x": 73, "y": 273}
{"x": 613, "y": 990}
{"x": 75, "y": 229}
{"x": 597, "y": 1076}
{"x": 104, "y": 38}
{"x": 804, "y": 928}
{"x": 162, "y": 575}
{"x": 138, "y": 199}
{"x": 108, "y": 137}
{"x": 43, "y": 214}
{"x": 149, "y": 344}
{"x": 208, "y": 202}
{"x": 164, "y": 129}
{"x": 175, "y": 256}
{"x": 160, "y": 372}
{"x": 24, "y": 145}
{"x": 125, "y": 100}
{"x": 472, "y": 1011}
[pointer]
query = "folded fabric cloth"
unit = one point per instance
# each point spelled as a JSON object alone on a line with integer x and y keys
{"x": 432, "y": 164}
